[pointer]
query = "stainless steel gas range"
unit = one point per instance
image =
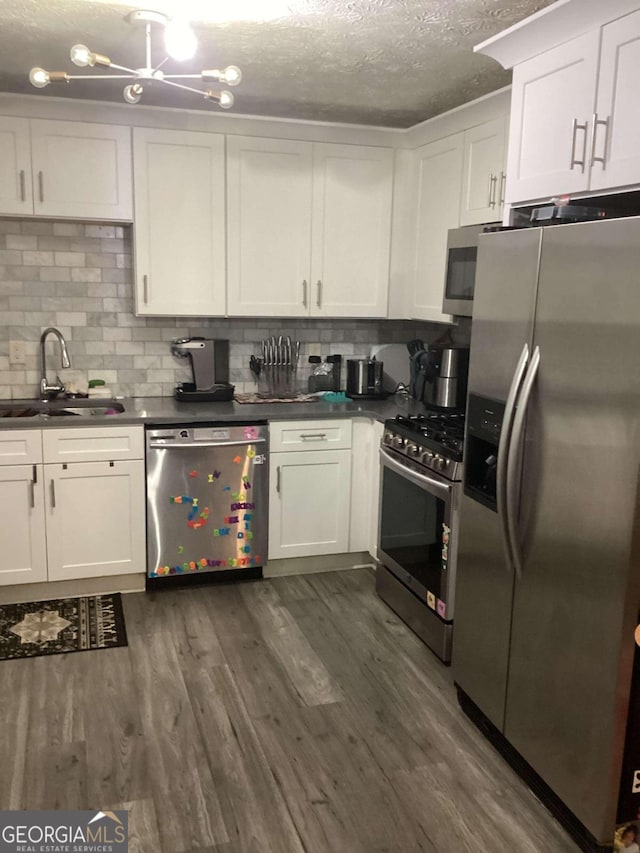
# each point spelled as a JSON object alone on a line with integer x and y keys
{"x": 420, "y": 492}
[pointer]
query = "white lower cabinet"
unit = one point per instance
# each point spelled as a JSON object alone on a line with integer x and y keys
{"x": 67, "y": 520}
{"x": 23, "y": 544}
{"x": 95, "y": 519}
{"x": 309, "y": 489}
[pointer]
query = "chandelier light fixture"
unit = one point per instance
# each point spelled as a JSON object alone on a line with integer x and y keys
{"x": 180, "y": 43}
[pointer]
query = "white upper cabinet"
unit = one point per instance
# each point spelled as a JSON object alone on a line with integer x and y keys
{"x": 15, "y": 166}
{"x": 438, "y": 168}
{"x": 575, "y": 104}
{"x": 269, "y": 226}
{"x": 81, "y": 170}
{"x": 352, "y": 192}
{"x": 65, "y": 168}
{"x": 308, "y": 228}
{"x": 551, "y": 118}
{"x": 179, "y": 223}
{"x": 615, "y": 152}
{"x": 484, "y": 172}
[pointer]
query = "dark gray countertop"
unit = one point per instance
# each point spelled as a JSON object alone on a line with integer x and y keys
{"x": 166, "y": 410}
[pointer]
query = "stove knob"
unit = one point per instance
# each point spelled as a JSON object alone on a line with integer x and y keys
{"x": 413, "y": 450}
{"x": 399, "y": 441}
{"x": 440, "y": 463}
{"x": 388, "y": 438}
{"x": 427, "y": 457}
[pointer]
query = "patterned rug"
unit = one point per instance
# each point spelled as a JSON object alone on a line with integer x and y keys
{"x": 61, "y": 625}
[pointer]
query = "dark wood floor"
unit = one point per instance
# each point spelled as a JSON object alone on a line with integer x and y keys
{"x": 290, "y": 715}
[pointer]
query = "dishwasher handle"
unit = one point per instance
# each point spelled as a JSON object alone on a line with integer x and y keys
{"x": 188, "y": 444}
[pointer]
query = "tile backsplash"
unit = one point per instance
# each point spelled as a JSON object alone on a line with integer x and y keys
{"x": 78, "y": 278}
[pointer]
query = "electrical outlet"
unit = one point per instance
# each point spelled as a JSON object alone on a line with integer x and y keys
{"x": 314, "y": 349}
{"x": 17, "y": 352}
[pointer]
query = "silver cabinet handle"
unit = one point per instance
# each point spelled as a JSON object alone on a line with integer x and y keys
{"x": 34, "y": 476}
{"x": 23, "y": 194}
{"x": 503, "y": 185}
{"x": 513, "y": 463}
{"x": 319, "y": 286}
{"x": 503, "y": 448}
{"x": 493, "y": 182}
{"x": 317, "y": 435}
{"x": 41, "y": 186}
{"x": 278, "y": 479}
{"x": 574, "y": 132}
{"x": 32, "y": 487}
{"x": 145, "y": 288}
{"x": 594, "y": 135}
{"x": 304, "y": 293}
{"x": 53, "y": 493}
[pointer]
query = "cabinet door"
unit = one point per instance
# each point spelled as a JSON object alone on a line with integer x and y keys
{"x": 618, "y": 105}
{"x": 95, "y": 519}
{"x": 180, "y": 223}
{"x": 15, "y": 166}
{"x": 269, "y": 226}
{"x": 81, "y": 170}
{"x": 351, "y": 240}
{"x": 484, "y": 172}
{"x": 553, "y": 98}
{"x": 23, "y": 554}
{"x": 439, "y": 177}
{"x": 309, "y": 501}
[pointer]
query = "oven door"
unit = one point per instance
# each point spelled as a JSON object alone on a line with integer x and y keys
{"x": 417, "y": 530}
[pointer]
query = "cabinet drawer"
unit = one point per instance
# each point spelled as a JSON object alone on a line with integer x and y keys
{"x": 93, "y": 444}
{"x": 309, "y": 435}
{"x": 20, "y": 447}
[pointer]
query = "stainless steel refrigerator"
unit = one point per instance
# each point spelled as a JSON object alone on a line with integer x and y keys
{"x": 548, "y": 584}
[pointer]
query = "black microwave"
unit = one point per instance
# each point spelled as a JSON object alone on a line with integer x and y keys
{"x": 460, "y": 277}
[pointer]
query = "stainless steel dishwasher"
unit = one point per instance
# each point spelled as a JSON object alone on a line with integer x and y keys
{"x": 207, "y": 503}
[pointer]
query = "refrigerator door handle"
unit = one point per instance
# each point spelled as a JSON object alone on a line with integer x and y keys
{"x": 513, "y": 465}
{"x": 503, "y": 450}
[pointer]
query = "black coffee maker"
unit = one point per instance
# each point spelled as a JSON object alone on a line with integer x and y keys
{"x": 439, "y": 374}
{"x": 209, "y": 360}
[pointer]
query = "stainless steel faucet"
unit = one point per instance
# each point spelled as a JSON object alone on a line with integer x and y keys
{"x": 48, "y": 392}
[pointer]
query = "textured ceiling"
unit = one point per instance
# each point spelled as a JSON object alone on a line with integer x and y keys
{"x": 384, "y": 62}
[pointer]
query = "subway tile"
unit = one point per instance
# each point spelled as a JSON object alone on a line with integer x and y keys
{"x": 71, "y": 318}
{"x": 86, "y": 274}
{"x": 144, "y": 362}
{"x": 12, "y": 377}
{"x": 114, "y": 246}
{"x": 123, "y": 261}
{"x": 116, "y": 276}
{"x": 84, "y": 244}
{"x": 99, "y": 291}
{"x": 55, "y": 274}
{"x": 88, "y": 333}
{"x": 53, "y": 244}
{"x": 144, "y": 334}
{"x": 100, "y": 231}
{"x": 13, "y": 318}
{"x": 68, "y": 229}
{"x": 4, "y": 362}
{"x": 101, "y": 347}
{"x": 100, "y": 318}
{"x": 21, "y": 241}
{"x": 155, "y": 348}
{"x": 37, "y": 259}
{"x": 116, "y": 334}
{"x": 13, "y": 288}
{"x": 99, "y": 260}
{"x": 159, "y": 375}
{"x": 23, "y": 303}
{"x": 31, "y": 226}
{"x": 118, "y": 362}
{"x": 96, "y": 362}
{"x": 10, "y": 257}
{"x": 69, "y": 259}
{"x": 19, "y": 273}
{"x": 118, "y": 305}
{"x": 5, "y": 392}
{"x": 38, "y": 288}
{"x": 129, "y": 348}
{"x": 10, "y": 226}
{"x": 110, "y": 376}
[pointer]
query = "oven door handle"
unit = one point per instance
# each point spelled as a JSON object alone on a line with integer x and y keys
{"x": 438, "y": 488}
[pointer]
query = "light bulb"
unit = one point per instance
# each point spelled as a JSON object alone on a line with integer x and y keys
{"x": 39, "y": 78}
{"x": 226, "y": 100}
{"x": 179, "y": 39}
{"x": 231, "y": 75}
{"x": 132, "y": 93}
{"x": 80, "y": 55}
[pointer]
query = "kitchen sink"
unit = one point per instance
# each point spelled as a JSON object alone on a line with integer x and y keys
{"x": 65, "y": 407}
